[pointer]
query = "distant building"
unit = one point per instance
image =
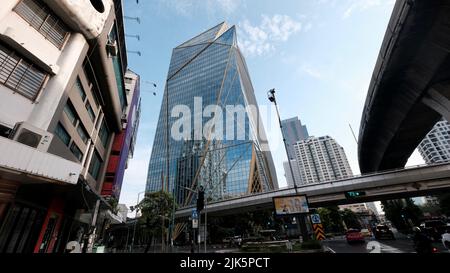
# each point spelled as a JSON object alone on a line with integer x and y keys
{"x": 123, "y": 212}
{"x": 295, "y": 170}
{"x": 356, "y": 208}
{"x": 321, "y": 159}
{"x": 293, "y": 131}
{"x": 435, "y": 148}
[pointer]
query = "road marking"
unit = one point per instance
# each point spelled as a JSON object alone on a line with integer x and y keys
{"x": 330, "y": 249}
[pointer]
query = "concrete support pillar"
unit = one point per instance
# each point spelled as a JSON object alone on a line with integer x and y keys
{"x": 438, "y": 102}
{"x": 49, "y": 99}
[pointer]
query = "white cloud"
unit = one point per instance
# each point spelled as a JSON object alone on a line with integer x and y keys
{"x": 189, "y": 7}
{"x": 262, "y": 39}
{"x": 310, "y": 71}
{"x": 362, "y": 5}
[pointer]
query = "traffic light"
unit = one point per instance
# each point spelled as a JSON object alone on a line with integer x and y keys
{"x": 200, "y": 199}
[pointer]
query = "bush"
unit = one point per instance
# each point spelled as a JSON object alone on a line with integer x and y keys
{"x": 312, "y": 244}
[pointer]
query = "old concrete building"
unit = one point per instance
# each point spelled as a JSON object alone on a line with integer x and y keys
{"x": 62, "y": 102}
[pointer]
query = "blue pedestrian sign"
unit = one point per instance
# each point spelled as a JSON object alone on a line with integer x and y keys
{"x": 194, "y": 214}
{"x": 315, "y": 219}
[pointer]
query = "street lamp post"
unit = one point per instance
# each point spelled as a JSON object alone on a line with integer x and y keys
{"x": 272, "y": 98}
{"x": 135, "y": 220}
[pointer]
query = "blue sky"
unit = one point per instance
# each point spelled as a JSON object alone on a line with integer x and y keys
{"x": 318, "y": 54}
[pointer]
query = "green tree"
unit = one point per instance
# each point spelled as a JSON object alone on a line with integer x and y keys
{"x": 350, "y": 219}
{"x": 331, "y": 219}
{"x": 403, "y": 213}
{"x": 157, "y": 210}
{"x": 431, "y": 209}
{"x": 444, "y": 202}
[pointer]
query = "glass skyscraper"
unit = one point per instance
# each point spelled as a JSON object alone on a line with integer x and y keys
{"x": 209, "y": 69}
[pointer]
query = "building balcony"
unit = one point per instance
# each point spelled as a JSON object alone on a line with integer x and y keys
{"x": 22, "y": 163}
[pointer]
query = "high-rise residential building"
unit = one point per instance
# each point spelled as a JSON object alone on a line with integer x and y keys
{"x": 295, "y": 171}
{"x": 209, "y": 72}
{"x": 321, "y": 159}
{"x": 293, "y": 131}
{"x": 62, "y": 102}
{"x": 435, "y": 147}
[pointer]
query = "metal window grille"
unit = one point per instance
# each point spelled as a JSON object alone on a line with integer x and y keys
{"x": 41, "y": 18}
{"x": 19, "y": 74}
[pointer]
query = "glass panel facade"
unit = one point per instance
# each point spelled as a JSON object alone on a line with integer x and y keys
{"x": 61, "y": 132}
{"x": 104, "y": 134}
{"x": 82, "y": 133}
{"x": 94, "y": 167}
{"x": 80, "y": 89}
{"x": 70, "y": 113}
{"x": 90, "y": 111}
{"x": 76, "y": 151}
{"x": 206, "y": 69}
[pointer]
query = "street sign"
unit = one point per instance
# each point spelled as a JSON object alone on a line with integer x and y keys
{"x": 315, "y": 219}
{"x": 319, "y": 231}
{"x": 194, "y": 214}
{"x": 194, "y": 223}
{"x": 354, "y": 194}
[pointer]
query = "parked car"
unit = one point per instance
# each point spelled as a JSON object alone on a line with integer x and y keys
{"x": 354, "y": 236}
{"x": 383, "y": 232}
{"x": 233, "y": 241}
{"x": 434, "y": 228}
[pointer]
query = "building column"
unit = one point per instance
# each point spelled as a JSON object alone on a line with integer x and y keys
{"x": 72, "y": 57}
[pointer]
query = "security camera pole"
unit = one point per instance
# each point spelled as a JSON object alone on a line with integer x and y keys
{"x": 301, "y": 218}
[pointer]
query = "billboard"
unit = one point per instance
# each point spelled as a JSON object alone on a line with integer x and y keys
{"x": 288, "y": 205}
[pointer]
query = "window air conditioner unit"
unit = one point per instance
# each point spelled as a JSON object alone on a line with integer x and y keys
{"x": 112, "y": 48}
{"x": 32, "y": 136}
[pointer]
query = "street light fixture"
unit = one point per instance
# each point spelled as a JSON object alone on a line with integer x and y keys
{"x": 135, "y": 52}
{"x": 138, "y": 20}
{"x": 134, "y": 36}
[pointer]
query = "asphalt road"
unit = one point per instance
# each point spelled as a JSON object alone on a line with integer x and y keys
{"x": 402, "y": 245}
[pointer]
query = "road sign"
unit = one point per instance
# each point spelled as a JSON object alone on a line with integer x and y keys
{"x": 318, "y": 231}
{"x": 194, "y": 223}
{"x": 354, "y": 194}
{"x": 315, "y": 219}
{"x": 194, "y": 214}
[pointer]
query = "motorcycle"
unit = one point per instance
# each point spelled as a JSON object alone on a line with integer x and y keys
{"x": 423, "y": 244}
